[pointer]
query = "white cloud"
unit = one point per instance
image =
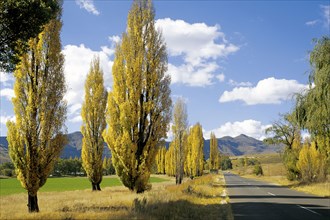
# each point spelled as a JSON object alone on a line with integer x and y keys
{"x": 74, "y": 108}
{"x": 243, "y": 84}
{"x": 199, "y": 45}
{"x": 170, "y": 133}
{"x": 77, "y": 65}
{"x": 312, "y": 23}
{"x": 4, "y": 119}
{"x": 88, "y": 5}
{"x": 76, "y": 119}
{"x": 192, "y": 75}
{"x": 6, "y": 78}
{"x": 195, "y": 42}
{"x": 7, "y": 93}
{"x": 305, "y": 135}
{"x": 326, "y": 14}
{"x": 221, "y": 77}
{"x": 115, "y": 39}
{"x": 267, "y": 91}
{"x": 249, "y": 127}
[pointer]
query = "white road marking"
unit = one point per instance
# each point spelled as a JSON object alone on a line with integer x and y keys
{"x": 271, "y": 194}
{"x": 308, "y": 209}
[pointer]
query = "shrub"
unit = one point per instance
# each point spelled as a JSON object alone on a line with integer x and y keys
{"x": 258, "y": 170}
{"x": 8, "y": 172}
{"x": 311, "y": 164}
{"x": 226, "y": 163}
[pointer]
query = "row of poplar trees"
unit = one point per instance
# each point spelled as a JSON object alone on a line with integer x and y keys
{"x": 185, "y": 156}
{"x": 132, "y": 118}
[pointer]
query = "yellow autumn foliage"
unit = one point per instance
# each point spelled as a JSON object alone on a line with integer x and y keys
{"x": 93, "y": 117}
{"x": 139, "y": 104}
{"x": 36, "y": 138}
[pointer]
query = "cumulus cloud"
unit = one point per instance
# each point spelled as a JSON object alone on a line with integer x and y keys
{"x": 192, "y": 75}
{"x": 7, "y": 93}
{"x": 74, "y": 108}
{"x": 199, "y": 45}
{"x": 267, "y": 91}
{"x": 88, "y": 5}
{"x": 243, "y": 84}
{"x": 6, "y": 78}
{"x": 76, "y": 119}
{"x": 5, "y": 118}
{"x": 249, "y": 127}
{"x": 169, "y": 133}
{"x": 77, "y": 64}
{"x": 221, "y": 77}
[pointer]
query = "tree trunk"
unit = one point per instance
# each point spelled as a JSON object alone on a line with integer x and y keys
{"x": 98, "y": 187}
{"x": 33, "y": 203}
{"x": 93, "y": 187}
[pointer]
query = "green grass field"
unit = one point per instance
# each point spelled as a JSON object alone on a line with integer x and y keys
{"x": 13, "y": 186}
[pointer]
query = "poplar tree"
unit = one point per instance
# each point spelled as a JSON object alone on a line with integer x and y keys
{"x": 93, "y": 117}
{"x": 139, "y": 105}
{"x": 170, "y": 160}
{"x": 214, "y": 152}
{"x": 160, "y": 160}
{"x": 179, "y": 128}
{"x": 37, "y": 137}
{"x": 195, "y": 153}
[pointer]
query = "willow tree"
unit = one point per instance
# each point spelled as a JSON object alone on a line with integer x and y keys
{"x": 214, "y": 152}
{"x": 195, "y": 153}
{"x": 37, "y": 137}
{"x": 313, "y": 107}
{"x": 139, "y": 105}
{"x": 179, "y": 128}
{"x": 93, "y": 117}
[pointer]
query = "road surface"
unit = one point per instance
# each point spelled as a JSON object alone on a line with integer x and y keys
{"x": 254, "y": 200}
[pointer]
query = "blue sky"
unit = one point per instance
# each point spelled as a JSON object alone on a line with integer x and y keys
{"x": 236, "y": 63}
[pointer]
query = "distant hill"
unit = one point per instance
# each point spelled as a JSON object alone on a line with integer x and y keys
{"x": 241, "y": 145}
{"x": 72, "y": 149}
{"x": 237, "y": 146}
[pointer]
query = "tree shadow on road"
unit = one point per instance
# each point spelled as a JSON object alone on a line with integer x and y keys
{"x": 278, "y": 211}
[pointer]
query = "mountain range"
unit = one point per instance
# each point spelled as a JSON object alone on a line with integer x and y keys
{"x": 237, "y": 146}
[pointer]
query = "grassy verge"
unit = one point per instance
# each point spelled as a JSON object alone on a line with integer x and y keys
{"x": 275, "y": 173}
{"x": 12, "y": 185}
{"x": 201, "y": 198}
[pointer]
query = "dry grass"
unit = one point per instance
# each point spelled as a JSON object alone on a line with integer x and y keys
{"x": 197, "y": 199}
{"x": 319, "y": 189}
{"x": 275, "y": 172}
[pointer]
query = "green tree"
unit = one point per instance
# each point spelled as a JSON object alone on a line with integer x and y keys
{"x": 283, "y": 131}
{"x": 225, "y": 162}
{"x": 179, "y": 128}
{"x": 37, "y": 137}
{"x": 214, "y": 152}
{"x": 195, "y": 153}
{"x": 21, "y": 20}
{"x": 139, "y": 105}
{"x": 93, "y": 117}
{"x": 286, "y": 131}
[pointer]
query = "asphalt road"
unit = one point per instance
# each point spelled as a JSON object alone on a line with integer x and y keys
{"x": 254, "y": 200}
